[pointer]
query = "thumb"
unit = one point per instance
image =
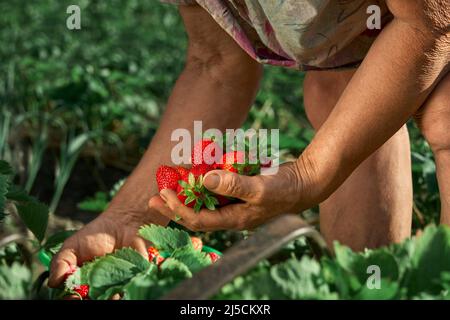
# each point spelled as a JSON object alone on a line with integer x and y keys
{"x": 62, "y": 263}
{"x": 233, "y": 185}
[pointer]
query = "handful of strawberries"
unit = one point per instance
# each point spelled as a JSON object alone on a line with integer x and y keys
{"x": 206, "y": 155}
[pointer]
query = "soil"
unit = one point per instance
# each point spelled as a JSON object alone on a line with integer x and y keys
{"x": 88, "y": 177}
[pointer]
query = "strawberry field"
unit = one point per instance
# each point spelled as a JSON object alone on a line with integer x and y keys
{"x": 77, "y": 112}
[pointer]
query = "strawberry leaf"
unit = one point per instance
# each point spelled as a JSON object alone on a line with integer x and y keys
{"x": 165, "y": 239}
{"x": 35, "y": 217}
{"x": 191, "y": 179}
{"x": 183, "y": 184}
{"x": 4, "y": 186}
{"x": 114, "y": 270}
{"x": 173, "y": 267}
{"x": 5, "y": 168}
{"x": 193, "y": 259}
{"x": 198, "y": 205}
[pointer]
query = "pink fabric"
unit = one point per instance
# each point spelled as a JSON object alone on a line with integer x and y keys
{"x": 301, "y": 34}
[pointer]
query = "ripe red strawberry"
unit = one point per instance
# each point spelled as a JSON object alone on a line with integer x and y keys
{"x": 205, "y": 151}
{"x": 213, "y": 256}
{"x": 183, "y": 172}
{"x": 167, "y": 178}
{"x": 200, "y": 170}
{"x": 197, "y": 243}
{"x": 230, "y": 159}
{"x": 82, "y": 290}
{"x": 237, "y": 162}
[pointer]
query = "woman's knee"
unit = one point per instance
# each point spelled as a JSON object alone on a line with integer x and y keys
{"x": 433, "y": 118}
{"x": 321, "y": 92}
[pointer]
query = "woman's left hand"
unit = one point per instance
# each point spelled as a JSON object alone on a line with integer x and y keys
{"x": 263, "y": 196}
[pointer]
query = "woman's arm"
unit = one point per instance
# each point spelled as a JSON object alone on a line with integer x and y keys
{"x": 399, "y": 72}
{"x": 217, "y": 86}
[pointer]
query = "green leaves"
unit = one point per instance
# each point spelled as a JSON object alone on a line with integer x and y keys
{"x": 4, "y": 185}
{"x": 5, "y": 168}
{"x": 15, "y": 281}
{"x": 35, "y": 217}
{"x": 430, "y": 261}
{"x": 5, "y": 172}
{"x": 415, "y": 269}
{"x": 113, "y": 270}
{"x": 194, "y": 190}
{"x": 128, "y": 273}
{"x": 418, "y": 268}
{"x": 193, "y": 259}
{"x": 300, "y": 279}
{"x": 165, "y": 239}
{"x": 55, "y": 241}
{"x": 33, "y": 213}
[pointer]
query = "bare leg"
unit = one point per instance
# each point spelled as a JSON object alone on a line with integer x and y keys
{"x": 373, "y": 207}
{"x": 434, "y": 121}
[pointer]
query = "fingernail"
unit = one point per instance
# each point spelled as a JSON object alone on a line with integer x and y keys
{"x": 212, "y": 181}
{"x": 161, "y": 194}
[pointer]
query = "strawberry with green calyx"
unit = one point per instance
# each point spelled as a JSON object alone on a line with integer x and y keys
{"x": 194, "y": 194}
{"x": 237, "y": 162}
{"x": 206, "y": 151}
{"x": 167, "y": 178}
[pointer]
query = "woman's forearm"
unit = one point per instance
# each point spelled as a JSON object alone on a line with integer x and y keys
{"x": 220, "y": 96}
{"x": 398, "y": 74}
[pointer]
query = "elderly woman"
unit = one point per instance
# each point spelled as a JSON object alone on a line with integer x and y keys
{"x": 357, "y": 166}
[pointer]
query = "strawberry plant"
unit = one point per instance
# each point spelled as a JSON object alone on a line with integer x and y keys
{"x": 418, "y": 268}
{"x": 127, "y": 273}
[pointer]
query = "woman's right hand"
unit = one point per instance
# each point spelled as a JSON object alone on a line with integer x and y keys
{"x": 108, "y": 232}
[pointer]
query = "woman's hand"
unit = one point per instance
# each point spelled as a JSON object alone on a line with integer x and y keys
{"x": 110, "y": 231}
{"x": 263, "y": 196}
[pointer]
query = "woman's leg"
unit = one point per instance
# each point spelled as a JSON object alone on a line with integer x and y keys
{"x": 374, "y": 206}
{"x": 434, "y": 121}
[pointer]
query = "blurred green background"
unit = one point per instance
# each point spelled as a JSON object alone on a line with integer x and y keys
{"x": 79, "y": 107}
